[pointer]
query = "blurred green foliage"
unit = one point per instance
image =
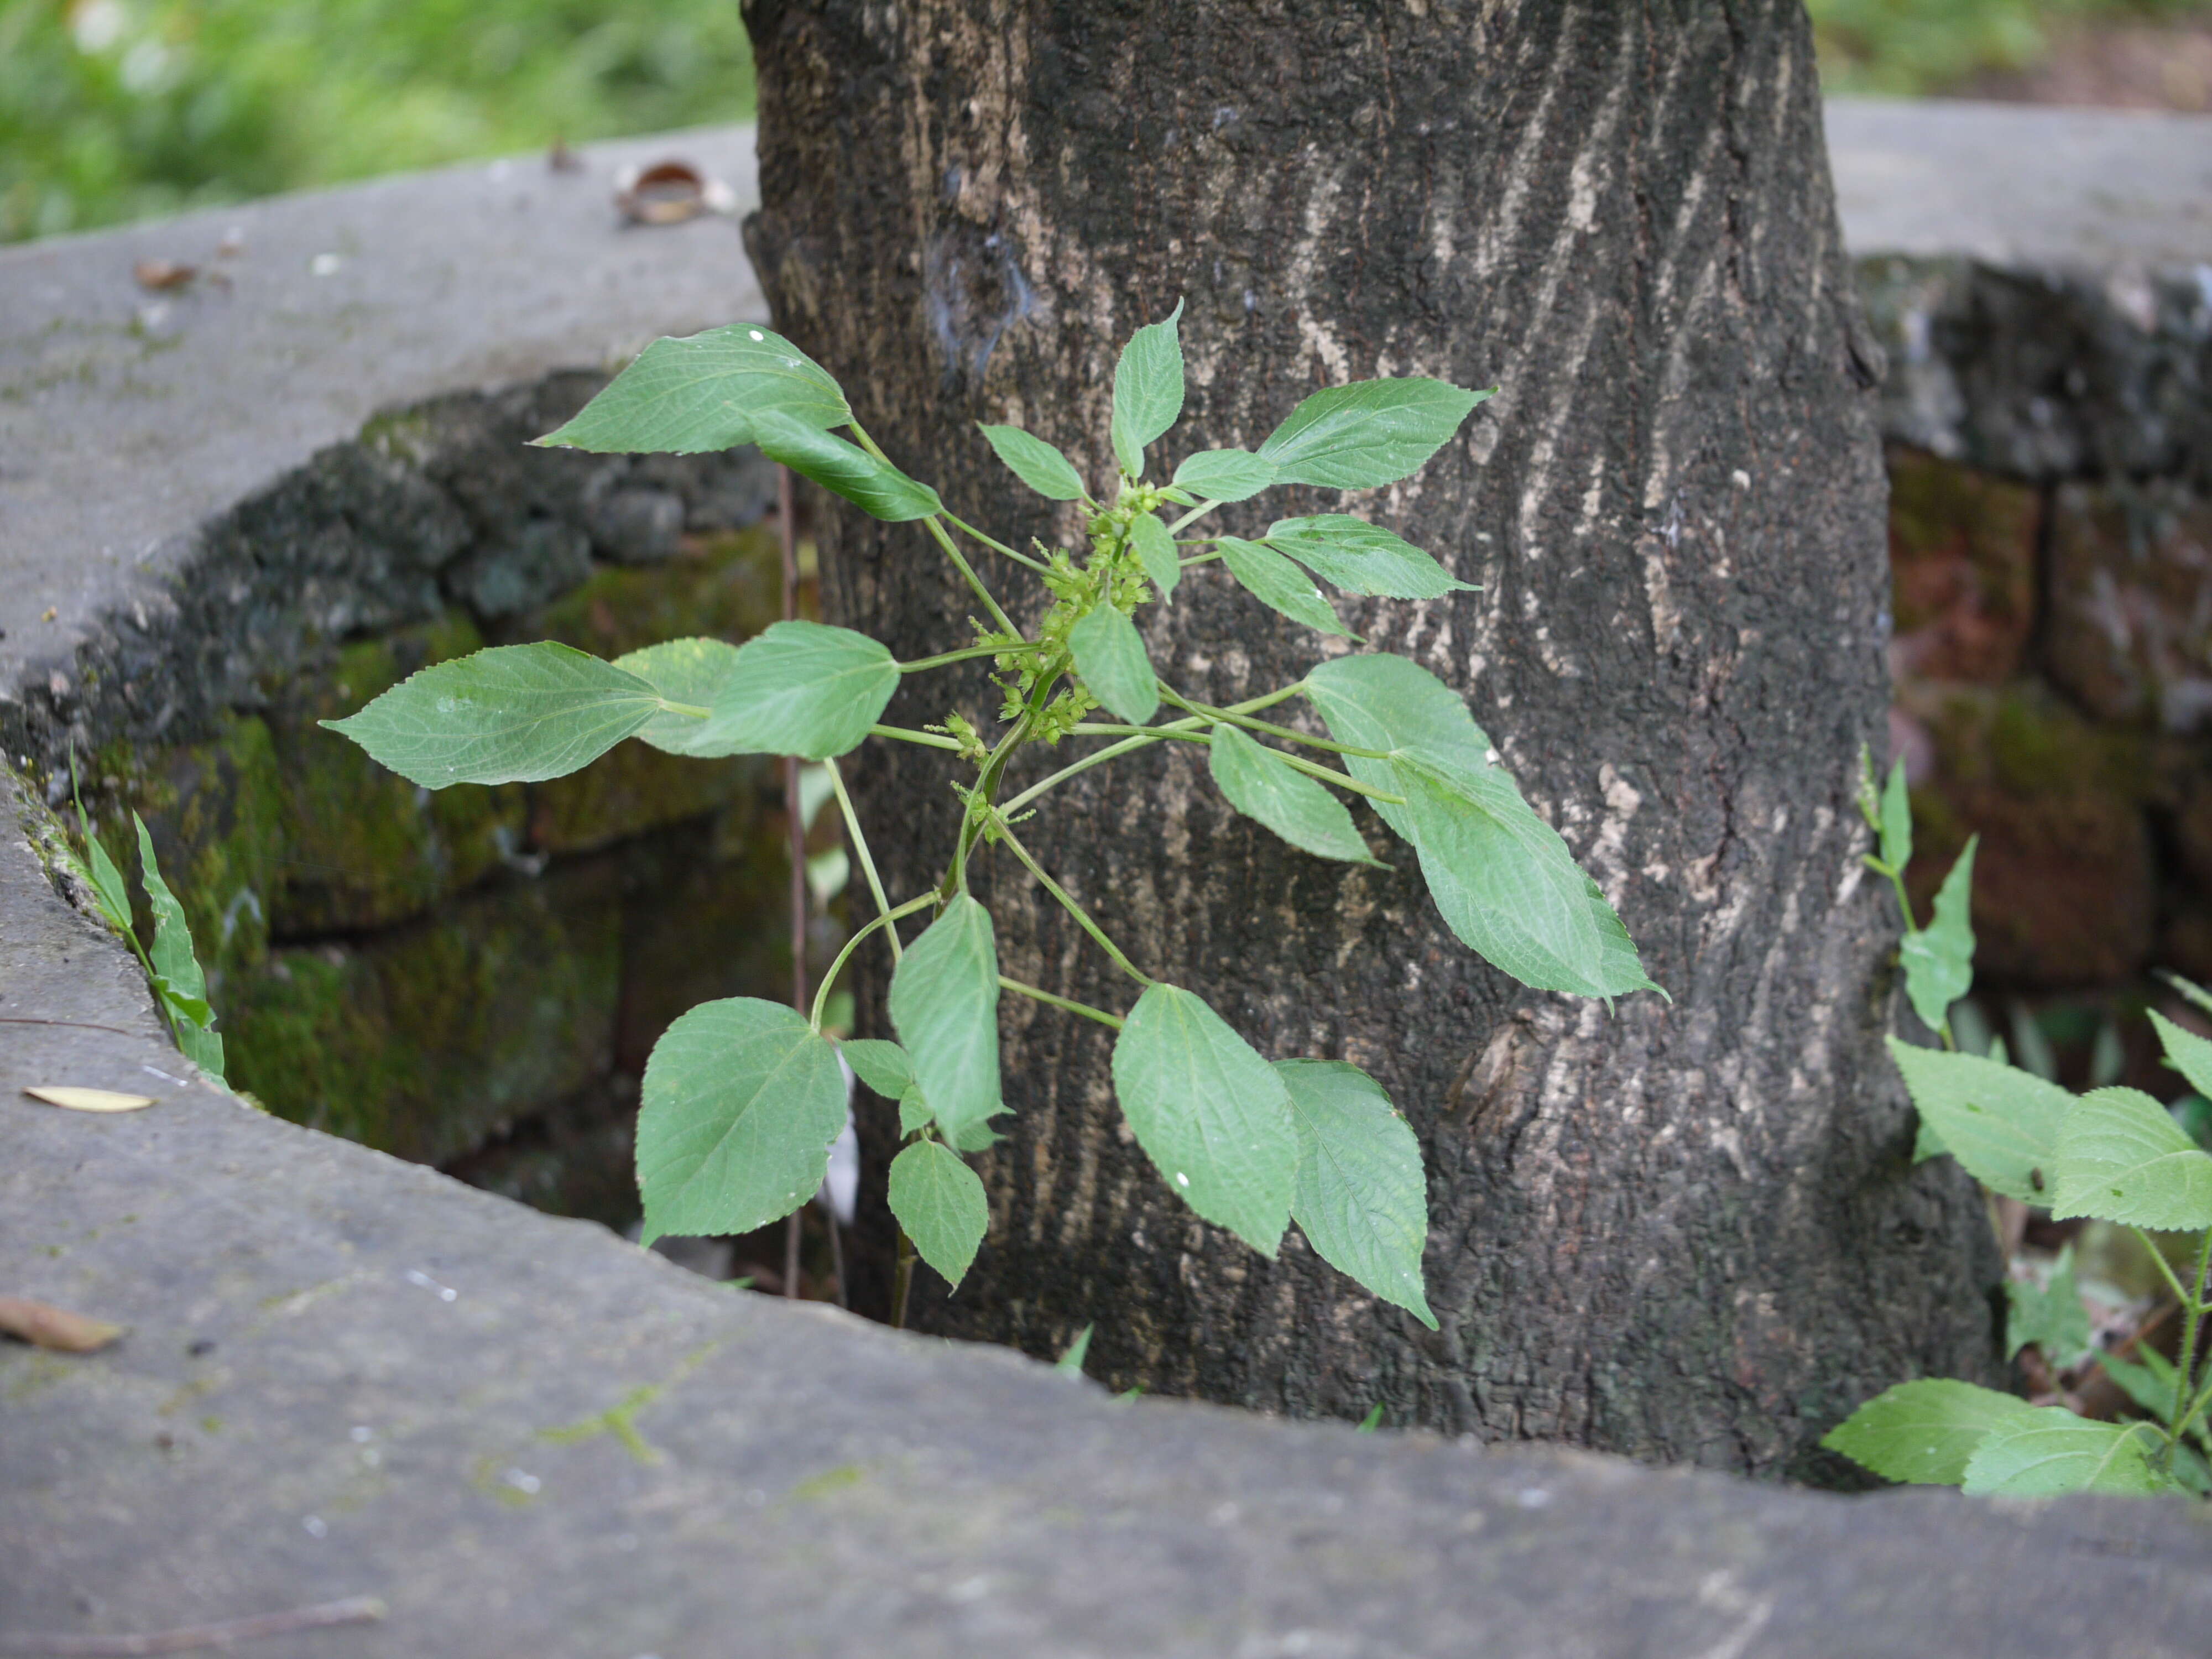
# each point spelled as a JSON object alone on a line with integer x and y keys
{"x": 1918, "y": 47}
{"x": 115, "y": 109}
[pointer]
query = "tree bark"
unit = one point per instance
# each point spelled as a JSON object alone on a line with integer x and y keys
{"x": 1687, "y": 1230}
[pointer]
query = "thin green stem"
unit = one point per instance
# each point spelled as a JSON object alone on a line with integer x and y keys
{"x": 1202, "y": 558}
{"x": 996, "y": 545}
{"x": 1234, "y": 717}
{"x": 1189, "y": 731}
{"x": 860, "y": 848}
{"x": 2193, "y": 1305}
{"x": 966, "y": 653}
{"x": 943, "y": 541}
{"x": 1068, "y": 1003}
{"x": 1192, "y": 516}
{"x": 689, "y": 708}
{"x": 1182, "y": 730}
{"x": 928, "y": 739}
{"x": 1130, "y": 745}
{"x": 2158, "y": 1256}
{"x": 886, "y": 920}
{"x": 1067, "y": 902}
{"x": 1341, "y": 780}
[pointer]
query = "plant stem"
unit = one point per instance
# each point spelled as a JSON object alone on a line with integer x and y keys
{"x": 1192, "y": 516}
{"x": 1067, "y": 902}
{"x": 887, "y": 920}
{"x": 966, "y": 653}
{"x": 1203, "y": 558}
{"x": 689, "y": 708}
{"x": 902, "y": 1280}
{"x": 996, "y": 545}
{"x": 1130, "y": 745}
{"x": 974, "y": 581}
{"x": 1341, "y": 780}
{"x": 860, "y": 847}
{"x": 787, "y": 538}
{"x": 928, "y": 739}
{"x": 1182, "y": 730}
{"x": 1236, "y": 717}
{"x": 2158, "y": 1256}
{"x": 1068, "y": 1003}
{"x": 2193, "y": 1310}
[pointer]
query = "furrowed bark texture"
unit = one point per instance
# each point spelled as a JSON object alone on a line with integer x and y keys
{"x": 1688, "y": 1231}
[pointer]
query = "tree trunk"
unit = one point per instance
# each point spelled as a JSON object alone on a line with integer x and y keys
{"x": 1687, "y": 1230}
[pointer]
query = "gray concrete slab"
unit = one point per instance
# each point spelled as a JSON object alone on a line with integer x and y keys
{"x": 345, "y": 1375}
{"x": 129, "y": 417}
{"x": 2023, "y": 185}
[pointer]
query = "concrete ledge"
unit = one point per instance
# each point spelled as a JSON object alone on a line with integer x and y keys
{"x": 348, "y": 1376}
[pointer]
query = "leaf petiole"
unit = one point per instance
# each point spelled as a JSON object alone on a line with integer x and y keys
{"x": 936, "y": 529}
{"x": 860, "y": 848}
{"x": 822, "y": 995}
{"x": 1067, "y": 901}
{"x": 1068, "y": 1003}
{"x": 927, "y": 739}
{"x": 1236, "y": 717}
{"x": 967, "y": 653}
{"x": 691, "y": 710}
{"x": 1192, "y": 516}
{"x": 996, "y": 545}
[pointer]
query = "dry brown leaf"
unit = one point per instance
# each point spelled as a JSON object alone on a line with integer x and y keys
{"x": 163, "y": 273}
{"x": 54, "y": 1327}
{"x": 87, "y": 1100}
{"x": 669, "y": 192}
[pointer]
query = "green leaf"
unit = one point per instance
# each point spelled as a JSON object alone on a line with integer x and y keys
{"x": 2150, "y": 1380}
{"x": 2185, "y": 1052}
{"x": 1362, "y": 558}
{"x": 1924, "y": 1432}
{"x": 2189, "y": 989}
{"x": 742, "y": 1102}
{"x": 1360, "y": 1196}
{"x": 109, "y": 890}
{"x": 799, "y": 688}
{"x": 2050, "y": 1316}
{"x": 2001, "y": 1122}
{"x": 881, "y": 1066}
{"x": 1214, "y": 1118}
{"x": 690, "y": 671}
{"x": 1509, "y": 888}
{"x": 1070, "y": 1363}
{"x": 1926, "y": 1144}
{"x": 1256, "y": 781}
{"x": 1275, "y": 581}
{"x": 945, "y": 1002}
{"x": 1157, "y": 551}
{"x": 1109, "y": 655}
{"x": 875, "y": 487}
{"x": 913, "y": 1110}
{"x": 684, "y": 397}
{"x": 1939, "y": 960}
{"x": 1869, "y": 793}
{"x": 177, "y": 965}
{"x": 2122, "y": 1158}
{"x": 1224, "y": 475}
{"x": 2047, "y": 1450}
{"x": 1896, "y": 820}
{"x": 515, "y": 713}
{"x": 1035, "y": 463}
{"x": 940, "y": 1201}
{"x": 1368, "y": 433}
{"x": 1385, "y": 702}
{"x": 1147, "y": 390}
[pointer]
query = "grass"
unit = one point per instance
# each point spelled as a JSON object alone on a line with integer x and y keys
{"x": 1916, "y": 47}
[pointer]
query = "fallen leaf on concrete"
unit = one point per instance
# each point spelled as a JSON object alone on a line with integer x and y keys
{"x": 87, "y": 1100}
{"x": 669, "y": 192}
{"x": 163, "y": 273}
{"x": 54, "y": 1327}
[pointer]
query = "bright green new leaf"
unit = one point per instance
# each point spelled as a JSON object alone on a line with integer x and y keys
{"x": 1213, "y": 1117}
{"x": 1035, "y": 463}
{"x": 913, "y": 1111}
{"x": 945, "y": 1002}
{"x": 1273, "y": 581}
{"x": 1147, "y": 390}
{"x": 515, "y": 713}
{"x": 881, "y": 1066}
{"x": 1360, "y": 557}
{"x": 1224, "y": 475}
{"x": 2122, "y": 1158}
{"x": 1896, "y": 820}
{"x": 2047, "y": 1450}
{"x": 1509, "y": 889}
{"x": 2195, "y": 993}
{"x": 685, "y": 397}
{"x": 1360, "y": 1196}
{"x": 108, "y": 890}
{"x": 742, "y": 1102}
{"x": 1385, "y": 702}
{"x": 875, "y": 487}
{"x": 1924, "y": 1432}
{"x": 2186, "y": 1052}
{"x": 799, "y": 688}
{"x": 1939, "y": 960}
{"x": 938, "y": 1201}
{"x": 1157, "y": 552}
{"x": 1999, "y": 1121}
{"x": 1926, "y": 1143}
{"x": 1368, "y": 433}
{"x": 176, "y": 966}
{"x": 1070, "y": 1363}
{"x": 2050, "y": 1316}
{"x": 1257, "y": 781}
{"x": 690, "y": 671}
{"x": 1109, "y": 655}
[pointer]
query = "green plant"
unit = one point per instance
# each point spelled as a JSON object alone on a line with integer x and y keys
{"x": 172, "y": 965}
{"x": 742, "y": 1098}
{"x": 2113, "y": 1154}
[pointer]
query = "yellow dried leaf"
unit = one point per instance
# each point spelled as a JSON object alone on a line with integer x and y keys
{"x": 54, "y": 1327}
{"x": 89, "y": 1100}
